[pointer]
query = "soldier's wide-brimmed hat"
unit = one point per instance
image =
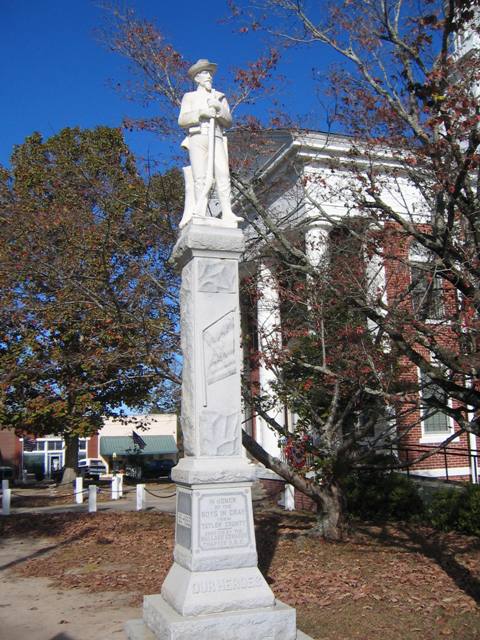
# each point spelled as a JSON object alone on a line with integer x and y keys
{"x": 201, "y": 65}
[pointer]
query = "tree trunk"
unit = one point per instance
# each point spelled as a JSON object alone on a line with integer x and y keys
{"x": 71, "y": 459}
{"x": 331, "y": 519}
{"x": 329, "y": 499}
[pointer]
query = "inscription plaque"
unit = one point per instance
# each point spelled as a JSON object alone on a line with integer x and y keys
{"x": 223, "y": 521}
{"x": 183, "y": 535}
{"x": 184, "y": 520}
{"x": 215, "y": 585}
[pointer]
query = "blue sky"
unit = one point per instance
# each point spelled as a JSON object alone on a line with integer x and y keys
{"x": 55, "y": 73}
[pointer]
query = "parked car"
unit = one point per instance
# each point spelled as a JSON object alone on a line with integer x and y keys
{"x": 133, "y": 471}
{"x": 158, "y": 468}
{"x": 91, "y": 467}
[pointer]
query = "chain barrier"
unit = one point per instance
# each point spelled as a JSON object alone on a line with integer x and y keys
{"x": 99, "y": 490}
{"x": 156, "y": 495}
{"x": 132, "y": 490}
{"x": 60, "y": 495}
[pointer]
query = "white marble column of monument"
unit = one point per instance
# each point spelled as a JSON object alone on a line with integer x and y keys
{"x": 214, "y": 589}
{"x": 214, "y": 478}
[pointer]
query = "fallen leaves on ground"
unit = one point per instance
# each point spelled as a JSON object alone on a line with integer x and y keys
{"x": 399, "y": 582}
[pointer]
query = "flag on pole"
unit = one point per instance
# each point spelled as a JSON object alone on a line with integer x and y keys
{"x": 29, "y": 444}
{"x": 138, "y": 441}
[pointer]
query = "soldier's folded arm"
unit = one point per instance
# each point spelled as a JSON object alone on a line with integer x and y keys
{"x": 224, "y": 118}
{"x": 188, "y": 117}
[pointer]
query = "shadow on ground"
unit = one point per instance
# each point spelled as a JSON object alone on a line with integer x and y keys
{"x": 442, "y": 548}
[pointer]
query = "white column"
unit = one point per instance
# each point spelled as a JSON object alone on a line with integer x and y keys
{"x": 6, "y": 497}
{"x": 316, "y": 244}
{"x": 115, "y": 487}
{"x": 468, "y": 39}
{"x": 472, "y": 442}
{"x": 78, "y": 490}
{"x": 269, "y": 339}
{"x": 475, "y": 471}
{"x": 120, "y": 485}
{"x": 376, "y": 284}
{"x": 289, "y": 498}
{"x": 140, "y": 497}
{"x": 316, "y": 250}
{"x": 92, "y": 498}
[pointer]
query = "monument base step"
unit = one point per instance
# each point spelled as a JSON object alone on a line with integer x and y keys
{"x": 162, "y": 622}
{"x": 138, "y": 630}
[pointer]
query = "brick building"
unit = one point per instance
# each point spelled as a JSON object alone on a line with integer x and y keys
{"x": 295, "y": 169}
{"x": 306, "y": 177}
{"x": 112, "y": 444}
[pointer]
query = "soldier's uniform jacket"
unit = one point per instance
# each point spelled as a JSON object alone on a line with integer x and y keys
{"x": 195, "y": 101}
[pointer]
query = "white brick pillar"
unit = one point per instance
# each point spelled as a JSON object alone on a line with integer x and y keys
{"x": 316, "y": 250}
{"x": 269, "y": 339}
{"x": 376, "y": 283}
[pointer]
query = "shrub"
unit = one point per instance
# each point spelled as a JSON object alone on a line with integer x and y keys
{"x": 443, "y": 509}
{"x": 456, "y": 509}
{"x": 383, "y": 496}
{"x": 469, "y": 513}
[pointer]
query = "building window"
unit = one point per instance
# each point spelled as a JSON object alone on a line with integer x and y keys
{"x": 435, "y": 421}
{"x": 427, "y": 285}
{"x": 427, "y": 292}
{"x": 55, "y": 445}
{"x": 82, "y": 444}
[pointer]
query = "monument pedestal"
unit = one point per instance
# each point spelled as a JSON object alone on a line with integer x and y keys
{"x": 273, "y": 623}
{"x": 214, "y": 589}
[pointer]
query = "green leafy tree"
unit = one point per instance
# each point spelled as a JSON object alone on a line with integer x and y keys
{"x": 88, "y": 302}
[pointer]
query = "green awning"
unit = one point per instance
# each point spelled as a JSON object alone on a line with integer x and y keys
{"x": 123, "y": 445}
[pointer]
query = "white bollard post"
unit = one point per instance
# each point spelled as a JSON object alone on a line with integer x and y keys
{"x": 4, "y": 485}
{"x": 79, "y": 490}
{"x": 92, "y": 498}
{"x": 120, "y": 485}
{"x": 140, "y": 497}
{"x": 115, "y": 487}
{"x": 6, "y": 502}
{"x": 289, "y": 498}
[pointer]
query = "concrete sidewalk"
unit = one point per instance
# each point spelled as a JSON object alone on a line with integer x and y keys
{"x": 126, "y": 503}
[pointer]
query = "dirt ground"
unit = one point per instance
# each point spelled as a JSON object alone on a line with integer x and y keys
{"x": 73, "y": 576}
{"x": 36, "y": 609}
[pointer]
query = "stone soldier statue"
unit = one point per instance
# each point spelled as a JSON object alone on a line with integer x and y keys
{"x": 205, "y": 114}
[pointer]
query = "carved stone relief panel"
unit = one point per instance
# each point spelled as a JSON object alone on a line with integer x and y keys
{"x": 220, "y": 357}
{"x": 217, "y": 276}
{"x": 220, "y": 433}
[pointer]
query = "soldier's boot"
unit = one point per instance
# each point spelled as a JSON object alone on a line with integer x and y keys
{"x": 225, "y": 203}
